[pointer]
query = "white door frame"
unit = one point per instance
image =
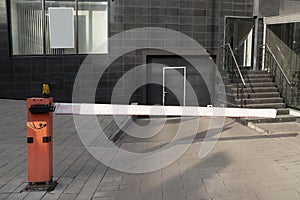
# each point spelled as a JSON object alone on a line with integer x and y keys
{"x": 248, "y": 49}
{"x": 164, "y": 83}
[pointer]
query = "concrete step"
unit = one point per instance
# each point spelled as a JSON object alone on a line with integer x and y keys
{"x": 260, "y": 101}
{"x": 245, "y": 68}
{"x": 266, "y": 105}
{"x": 225, "y": 80}
{"x": 257, "y": 80}
{"x": 257, "y": 76}
{"x": 253, "y": 72}
{"x": 261, "y": 84}
{"x": 283, "y": 111}
{"x": 260, "y": 92}
{"x": 259, "y": 95}
{"x": 251, "y": 80}
{"x": 256, "y": 90}
{"x": 250, "y": 76}
{"x": 278, "y": 119}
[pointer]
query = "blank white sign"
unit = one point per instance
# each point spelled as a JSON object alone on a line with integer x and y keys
{"x": 61, "y": 27}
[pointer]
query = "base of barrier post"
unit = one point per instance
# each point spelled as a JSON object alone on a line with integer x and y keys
{"x": 41, "y": 186}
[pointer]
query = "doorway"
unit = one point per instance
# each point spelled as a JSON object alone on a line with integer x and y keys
{"x": 239, "y": 34}
{"x": 174, "y": 86}
{"x": 175, "y": 67}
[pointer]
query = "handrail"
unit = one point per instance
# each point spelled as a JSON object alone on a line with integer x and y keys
{"x": 272, "y": 54}
{"x": 236, "y": 63}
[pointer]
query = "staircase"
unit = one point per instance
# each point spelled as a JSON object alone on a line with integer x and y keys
{"x": 259, "y": 92}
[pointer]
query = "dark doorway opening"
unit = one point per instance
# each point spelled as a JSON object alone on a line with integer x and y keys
{"x": 239, "y": 33}
{"x": 175, "y": 88}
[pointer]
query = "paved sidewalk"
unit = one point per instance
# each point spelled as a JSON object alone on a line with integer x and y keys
{"x": 243, "y": 165}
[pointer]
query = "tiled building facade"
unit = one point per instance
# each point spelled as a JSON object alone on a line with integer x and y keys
{"x": 202, "y": 20}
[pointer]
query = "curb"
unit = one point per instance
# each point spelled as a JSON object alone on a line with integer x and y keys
{"x": 258, "y": 129}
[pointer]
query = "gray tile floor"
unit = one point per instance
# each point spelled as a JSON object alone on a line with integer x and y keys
{"x": 243, "y": 165}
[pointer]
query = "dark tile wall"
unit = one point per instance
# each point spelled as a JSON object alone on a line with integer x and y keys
{"x": 21, "y": 77}
{"x": 269, "y": 7}
{"x": 6, "y": 69}
{"x": 200, "y": 19}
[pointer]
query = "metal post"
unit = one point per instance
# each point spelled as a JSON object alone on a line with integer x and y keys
{"x": 256, "y": 26}
{"x": 264, "y": 48}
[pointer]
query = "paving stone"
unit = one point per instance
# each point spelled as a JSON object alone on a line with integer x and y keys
{"x": 17, "y": 195}
{"x": 77, "y": 166}
{"x": 63, "y": 166}
{"x": 35, "y": 195}
{"x": 65, "y": 196}
{"x": 174, "y": 194}
{"x": 151, "y": 195}
{"x": 12, "y": 185}
{"x": 242, "y": 165}
{"x": 62, "y": 184}
{"x": 51, "y": 196}
{"x": 105, "y": 194}
{"x": 75, "y": 186}
{"x": 109, "y": 188}
{"x": 92, "y": 183}
{"x": 12, "y": 179}
{"x": 104, "y": 198}
{"x": 125, "y": 195}
{"x": 4, "y": 195}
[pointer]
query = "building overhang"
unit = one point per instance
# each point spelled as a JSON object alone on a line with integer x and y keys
{"x": 283, "y": 19}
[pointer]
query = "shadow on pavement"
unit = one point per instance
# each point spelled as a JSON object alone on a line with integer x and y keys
{"x": 183, "y": 180}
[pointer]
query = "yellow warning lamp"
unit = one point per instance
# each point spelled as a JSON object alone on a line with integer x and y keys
{"x": 46, "y": 90}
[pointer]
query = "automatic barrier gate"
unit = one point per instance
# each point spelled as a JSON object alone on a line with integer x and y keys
{"x": 39, "y": 143}
{"x": 40, "y": 127}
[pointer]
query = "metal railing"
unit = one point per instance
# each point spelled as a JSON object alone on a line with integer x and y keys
{"x": 284, "y": 84}
{"x": 230, "y": 65}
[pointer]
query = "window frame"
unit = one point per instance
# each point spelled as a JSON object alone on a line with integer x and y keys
{"x": 10, "y": 40}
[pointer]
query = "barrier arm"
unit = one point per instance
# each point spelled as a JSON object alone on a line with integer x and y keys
{"x": 184, "y": 111}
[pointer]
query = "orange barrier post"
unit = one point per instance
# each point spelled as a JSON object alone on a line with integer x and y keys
{"x": 39, "y": 144}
